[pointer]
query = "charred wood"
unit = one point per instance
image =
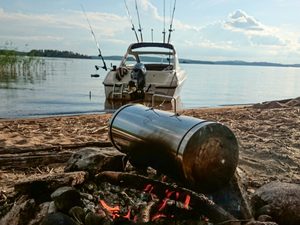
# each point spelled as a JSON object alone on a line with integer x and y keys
{"x": 21, "y": 213}
{"x": 197, "y": 201}
{"x": 40, "y": 188}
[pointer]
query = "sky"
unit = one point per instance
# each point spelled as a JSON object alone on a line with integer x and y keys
{"x": 257, "y": 30}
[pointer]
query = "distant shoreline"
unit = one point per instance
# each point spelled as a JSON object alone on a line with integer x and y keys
{"x": 72, "y": 55}
{"x": 231, "y": 63}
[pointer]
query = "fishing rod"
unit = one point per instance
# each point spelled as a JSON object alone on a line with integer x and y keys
{"x": 171, "y": 24}
{"x": 97, "y": 44}
{"x": 164, "y": 30}
{"x": 132, "y": 24}
{"x": 138, "y": 15}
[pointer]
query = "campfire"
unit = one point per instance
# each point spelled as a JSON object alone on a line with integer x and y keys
{"x": 154, "y": 175}
{"x": 143, "y": 206}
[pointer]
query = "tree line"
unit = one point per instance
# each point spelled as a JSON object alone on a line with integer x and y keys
{"x": 44, "y": 53}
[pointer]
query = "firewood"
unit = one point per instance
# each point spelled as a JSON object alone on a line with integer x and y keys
{"x": 21, "y": 213}
{"x": 53, "y": 148}
{"x": 22, "y": 158}
{"x": 41, "y": 187}
{"x": 197, "y": 201}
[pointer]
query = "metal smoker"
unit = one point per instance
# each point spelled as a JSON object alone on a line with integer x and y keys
{"x": 201, "y": 153}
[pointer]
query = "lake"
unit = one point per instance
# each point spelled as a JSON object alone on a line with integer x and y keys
{"x": 65, "y": 86}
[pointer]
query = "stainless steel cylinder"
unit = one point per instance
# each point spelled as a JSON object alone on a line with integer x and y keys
{"x": 202, "y": 153}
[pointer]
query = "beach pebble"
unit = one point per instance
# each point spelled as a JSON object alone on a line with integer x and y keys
{"x": 279, "y": 200}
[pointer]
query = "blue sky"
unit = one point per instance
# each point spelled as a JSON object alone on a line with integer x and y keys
{"x": 258, "y": 30}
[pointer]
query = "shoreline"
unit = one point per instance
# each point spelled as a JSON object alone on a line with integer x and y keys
{"x": 109, "y": 111}
{"x": 268, "y": 135}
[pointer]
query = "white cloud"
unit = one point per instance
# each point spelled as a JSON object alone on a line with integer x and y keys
{"x": 33, "y": 37}
{"x": 240, "y": 36}
{"x": 240, "y": 20}
{"x": 148, "y": 6}
{"x": 108, "y": 25}
{"x": 266, "y": 40}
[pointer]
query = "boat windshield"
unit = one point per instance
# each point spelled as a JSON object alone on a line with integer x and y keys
{"x": 151, "y": 60}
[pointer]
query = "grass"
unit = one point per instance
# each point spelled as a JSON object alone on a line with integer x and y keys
{"x": 12, "y": 65}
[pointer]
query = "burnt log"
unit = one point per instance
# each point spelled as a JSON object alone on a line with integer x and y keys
{"x": 40, "y": 188}
{"x": 21, "y": 213}
{"x": 198, "y": 202}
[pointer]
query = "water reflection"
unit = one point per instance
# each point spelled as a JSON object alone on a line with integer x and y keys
{"x": 112, "y": 105}
{"x": 64, "y": 86}
{"x": 22, "y": 72}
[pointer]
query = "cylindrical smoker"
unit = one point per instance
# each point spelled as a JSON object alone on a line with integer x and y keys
{"x": 203, "y": 154}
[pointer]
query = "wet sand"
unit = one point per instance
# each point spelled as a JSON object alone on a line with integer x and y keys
{"x": 268, "y": 135}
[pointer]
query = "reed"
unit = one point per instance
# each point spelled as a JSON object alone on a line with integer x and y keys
{"x": 12, "y": 65}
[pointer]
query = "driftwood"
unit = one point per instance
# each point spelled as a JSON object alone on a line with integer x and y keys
{"x": 197, "y": 201}
{"x": 32, "y": 160}
{"x": 22, "y": 158}
{"x": 41, "y": 187}
{"x": 53, "y": 148}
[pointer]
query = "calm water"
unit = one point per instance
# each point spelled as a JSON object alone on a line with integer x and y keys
{"x": 65, "y": 87}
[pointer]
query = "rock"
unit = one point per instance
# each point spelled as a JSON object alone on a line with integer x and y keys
{"x": 95, "y": 160}
{"x": 78, "y": 214}
{"x": 58, "y": 219}
{"x": 94, "y": 219}
{"x": 264, "y": 218}
{"x": 260, "y": 223}
{"x": 52, "y": 208}
{"x": 65, "y": 198}
{"x": 279, "y": 200}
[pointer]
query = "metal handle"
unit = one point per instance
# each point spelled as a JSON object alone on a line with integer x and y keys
{"x": 165, "y": 96}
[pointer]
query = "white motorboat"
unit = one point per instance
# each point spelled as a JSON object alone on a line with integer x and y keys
{"x": 147, "y": 70}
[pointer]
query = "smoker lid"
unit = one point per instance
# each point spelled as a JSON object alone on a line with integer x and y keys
{"x": 209, "y": 155}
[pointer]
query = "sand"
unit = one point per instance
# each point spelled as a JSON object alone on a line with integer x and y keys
{"x": 268, "y": 136}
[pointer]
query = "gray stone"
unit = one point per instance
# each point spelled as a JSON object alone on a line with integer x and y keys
{"x": 260, "y": 223}
{"x": 58, "y": 219}
{"x": 78, "y": 214}
{"x": 95, "y": 219}
{"x": 95, "y": 160}
{"x": 52, "y": 208}
{"x": 65, "y": 198}
{"x": 264, "y": 218}
{"x": 279, "y": 200}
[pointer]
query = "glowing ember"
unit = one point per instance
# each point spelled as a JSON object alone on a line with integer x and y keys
{"x": 169, "y": 193}
{"x": 187, "y": 201}
{"x": 127, "y": 216}
{"x": 115, "y": 209}
{"x": 148, "y": 188}
{"x": 163, "y": 205}
{"x": 158, "y": 216}
{"x": 177, "y": 196}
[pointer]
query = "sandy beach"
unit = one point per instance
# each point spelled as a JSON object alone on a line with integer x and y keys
{"x": 268, "y": 136}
